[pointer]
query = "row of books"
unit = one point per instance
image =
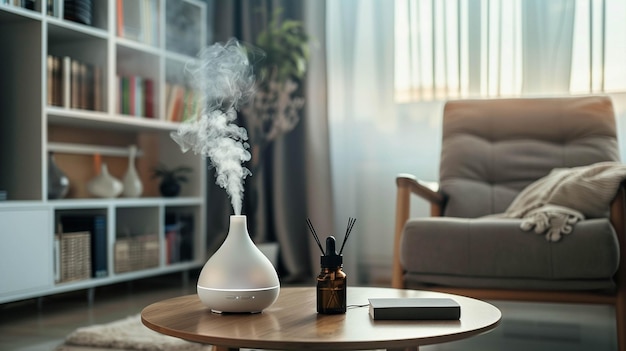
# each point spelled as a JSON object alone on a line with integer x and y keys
{"x": 178, "y": 237}
{"x": 138, "y": 20}
{"x": 182, "y": 103}
{"x": 136, "y": 96}
{"x": 74, "y": 84}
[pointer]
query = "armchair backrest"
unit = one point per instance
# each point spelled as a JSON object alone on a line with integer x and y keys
{"x": 492, "y": 149}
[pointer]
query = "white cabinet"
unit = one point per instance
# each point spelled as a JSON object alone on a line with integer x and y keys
{"x": 25, "y": 250}
{"x": 87, "y": 91}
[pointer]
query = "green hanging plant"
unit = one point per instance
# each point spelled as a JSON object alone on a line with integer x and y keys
{"x": 275, "y": 107}
{"x": 286, "y": 47}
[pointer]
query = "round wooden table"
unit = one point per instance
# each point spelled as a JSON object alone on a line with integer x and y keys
{"x": 292, "y": 323}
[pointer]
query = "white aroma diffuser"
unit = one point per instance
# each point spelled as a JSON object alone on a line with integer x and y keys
{"x": 238, "y": 278}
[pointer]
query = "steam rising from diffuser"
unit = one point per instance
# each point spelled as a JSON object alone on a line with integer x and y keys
{"x": 224, "y": 77}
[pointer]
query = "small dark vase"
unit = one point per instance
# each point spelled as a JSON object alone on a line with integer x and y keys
{"x": 169, "y": 188}
{"x": 58, "y": 183}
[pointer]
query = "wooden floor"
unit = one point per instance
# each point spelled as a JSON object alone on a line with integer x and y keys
{"x": 42, "y": 324}
{"x": 38, "y": 325}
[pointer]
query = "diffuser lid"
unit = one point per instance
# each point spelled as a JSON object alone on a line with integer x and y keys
{"x": 330, "y": 258}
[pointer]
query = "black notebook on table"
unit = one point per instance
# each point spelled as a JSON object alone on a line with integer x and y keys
{"x": 414, "y": 308}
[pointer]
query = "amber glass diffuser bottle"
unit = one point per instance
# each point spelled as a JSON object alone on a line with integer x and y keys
{"x": 331, "y": 282}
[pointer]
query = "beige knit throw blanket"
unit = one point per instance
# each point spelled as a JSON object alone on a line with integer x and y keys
{"x": 554, "y": 203}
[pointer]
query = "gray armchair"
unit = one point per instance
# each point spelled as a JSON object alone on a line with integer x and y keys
{"x": 491, "y": 150}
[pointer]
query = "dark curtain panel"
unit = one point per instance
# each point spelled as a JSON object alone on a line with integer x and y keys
{"x": 275, "y": 196}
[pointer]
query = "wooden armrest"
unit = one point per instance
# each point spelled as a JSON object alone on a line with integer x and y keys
{"x": 427, "y": 190}
{"x": 406, "y": 185}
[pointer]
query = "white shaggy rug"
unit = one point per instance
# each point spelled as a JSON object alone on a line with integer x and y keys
{"x": 126, "y": 334}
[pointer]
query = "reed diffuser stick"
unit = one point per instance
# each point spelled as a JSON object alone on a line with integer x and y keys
{"x": 351, "y": 222}
{"x": 317, "y": 239}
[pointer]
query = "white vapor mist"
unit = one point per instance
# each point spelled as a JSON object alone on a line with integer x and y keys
{"x": 224, "y": 77}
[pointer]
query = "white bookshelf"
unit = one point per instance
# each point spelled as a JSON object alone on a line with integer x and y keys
{"x": 31, "y": 128}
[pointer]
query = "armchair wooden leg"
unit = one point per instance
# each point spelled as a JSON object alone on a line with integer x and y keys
{"x": 620, "y": 314}
{"x": 402, "y": 215}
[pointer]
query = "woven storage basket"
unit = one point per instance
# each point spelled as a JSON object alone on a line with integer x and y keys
{"x": 74, "y": 256}
{"x": 136, "y": 252}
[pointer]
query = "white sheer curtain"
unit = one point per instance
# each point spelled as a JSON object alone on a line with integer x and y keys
{"x": 371, "y": 138}
{"x": 385, "y": 113}
{"x": 476, "y": 48}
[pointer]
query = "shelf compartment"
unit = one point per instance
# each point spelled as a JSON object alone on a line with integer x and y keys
{"x": 137, "y": 82}
{"x": 136, "y": 253}
{"x": 138, "y": 21}
{"x": 180, "y": 232}
{"x": 183, "y": 33}
{"x": 80, "y": 244}
{"x": 77, "y": 67}
{"x": 137, "y": 244}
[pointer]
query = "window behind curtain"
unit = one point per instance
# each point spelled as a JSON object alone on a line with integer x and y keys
{"x": 488, "y": 48}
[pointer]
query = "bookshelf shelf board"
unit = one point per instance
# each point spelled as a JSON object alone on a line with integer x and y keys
{"x": 21, "y": 205}
{"x": 84, "y": 149}
{"x": 16, "y": 13}
{"x": 100, "y": 120}
{"x": 122, "y": 277}
{"x": 135, "y": 45}
{"x": 94, "y": 203}
{"x": 73, "y": 31}
{"x": 180, "y": 58}
{"x": 162, "y": 201}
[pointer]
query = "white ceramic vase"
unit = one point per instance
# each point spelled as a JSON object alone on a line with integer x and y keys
{"x": 238, "y": 278}
{"x": 105, "y": 185}
{"x": 131, "y": 181}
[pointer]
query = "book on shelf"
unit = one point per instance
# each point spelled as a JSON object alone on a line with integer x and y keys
{"x": 67, "y": 81}
{"x": 50, "y": 80}
{"x": 73, "y": 84}
{"x": 135, "y": 96}
{"x": 179, "y": 230}
{"x": 149, "y": 98}
{"x": 132, "y": 18}
{"x": 95, "y": 226}
{"x": 414, "y": 308}
{"x": 182, "y": 103}
{"x": 138, "y": 20}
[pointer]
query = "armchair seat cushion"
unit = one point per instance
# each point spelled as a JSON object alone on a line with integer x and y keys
{"x": 496, "y": 253}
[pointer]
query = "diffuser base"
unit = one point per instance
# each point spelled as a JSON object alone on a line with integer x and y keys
{"x": 238, "y": 301}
